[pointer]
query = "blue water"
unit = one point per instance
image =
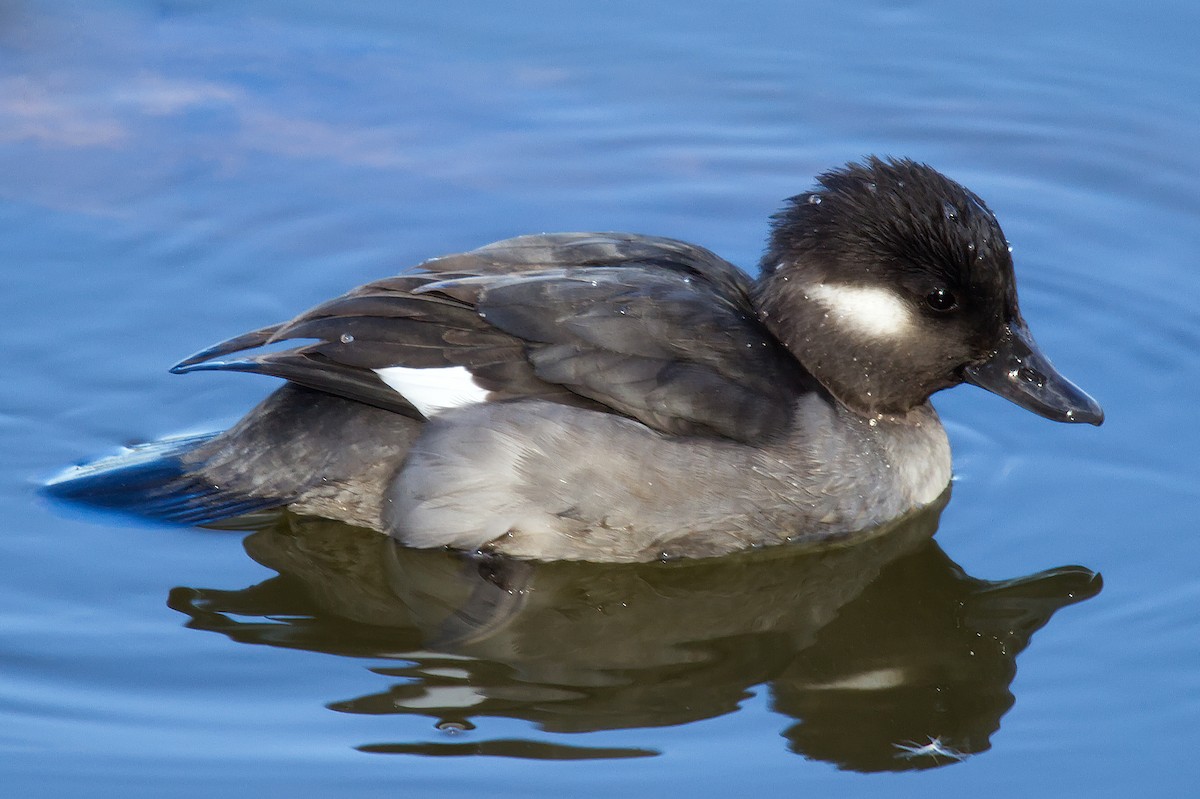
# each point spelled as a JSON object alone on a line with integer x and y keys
{"x": 174, "y": 173}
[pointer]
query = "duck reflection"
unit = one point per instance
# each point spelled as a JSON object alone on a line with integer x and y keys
{"x": 887, "y": 655}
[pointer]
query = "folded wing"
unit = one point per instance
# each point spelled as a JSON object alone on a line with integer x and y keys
{"x": 652, "y": 328}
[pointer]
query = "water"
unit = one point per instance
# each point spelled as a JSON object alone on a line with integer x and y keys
{"x": 175, "y": 173}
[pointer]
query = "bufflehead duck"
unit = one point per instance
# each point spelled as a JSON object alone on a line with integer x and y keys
{"x": 616, "y": 397}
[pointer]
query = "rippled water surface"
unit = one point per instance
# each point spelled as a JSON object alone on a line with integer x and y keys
{"x": 174, "y": 173}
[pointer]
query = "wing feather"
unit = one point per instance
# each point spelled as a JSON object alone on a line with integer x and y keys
{"x": 652, "y": 328}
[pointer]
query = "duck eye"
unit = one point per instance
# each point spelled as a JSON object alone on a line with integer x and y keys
{"x": 941, "y": 300}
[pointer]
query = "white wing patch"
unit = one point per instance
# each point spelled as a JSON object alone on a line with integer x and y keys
{"x": 432, "y": 391}
{"x": 873, "y": 311}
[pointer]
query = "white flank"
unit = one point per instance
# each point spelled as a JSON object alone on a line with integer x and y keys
{"x": 434, "y": 390}
{"x": 873, "y": 311}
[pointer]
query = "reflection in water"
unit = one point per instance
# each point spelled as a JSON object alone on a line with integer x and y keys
{"x": 884, "y": 652}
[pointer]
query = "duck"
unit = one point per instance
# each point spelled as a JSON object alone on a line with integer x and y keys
{"x": 623, "y": 397}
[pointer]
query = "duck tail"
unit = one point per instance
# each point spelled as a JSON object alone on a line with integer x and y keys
{"x": 162, "y": 480}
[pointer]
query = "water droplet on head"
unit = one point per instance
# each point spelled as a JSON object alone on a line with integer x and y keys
{"x": 949, "y": 210}
{"x": 814, "y": 199}
{"x": 347, "y": 338}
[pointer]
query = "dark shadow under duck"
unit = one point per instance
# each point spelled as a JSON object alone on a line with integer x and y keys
{"x": 880, "y": 656}
{"x": 605, "y": 396}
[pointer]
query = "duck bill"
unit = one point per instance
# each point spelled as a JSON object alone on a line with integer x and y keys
{"x": 1019, "y": 372}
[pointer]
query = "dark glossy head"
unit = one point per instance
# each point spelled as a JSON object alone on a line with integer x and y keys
{"x": 890, "y": 282}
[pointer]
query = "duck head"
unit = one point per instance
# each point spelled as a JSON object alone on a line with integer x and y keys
{"x": 890, "y": 281}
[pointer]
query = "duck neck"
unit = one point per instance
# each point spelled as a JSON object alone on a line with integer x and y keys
{"x": 860, "y": 371}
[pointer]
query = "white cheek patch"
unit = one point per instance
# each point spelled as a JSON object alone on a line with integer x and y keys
{"x": 877, "y": 680}
{"x": 870, "y": 310}
{"x": 434, "y": 390}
